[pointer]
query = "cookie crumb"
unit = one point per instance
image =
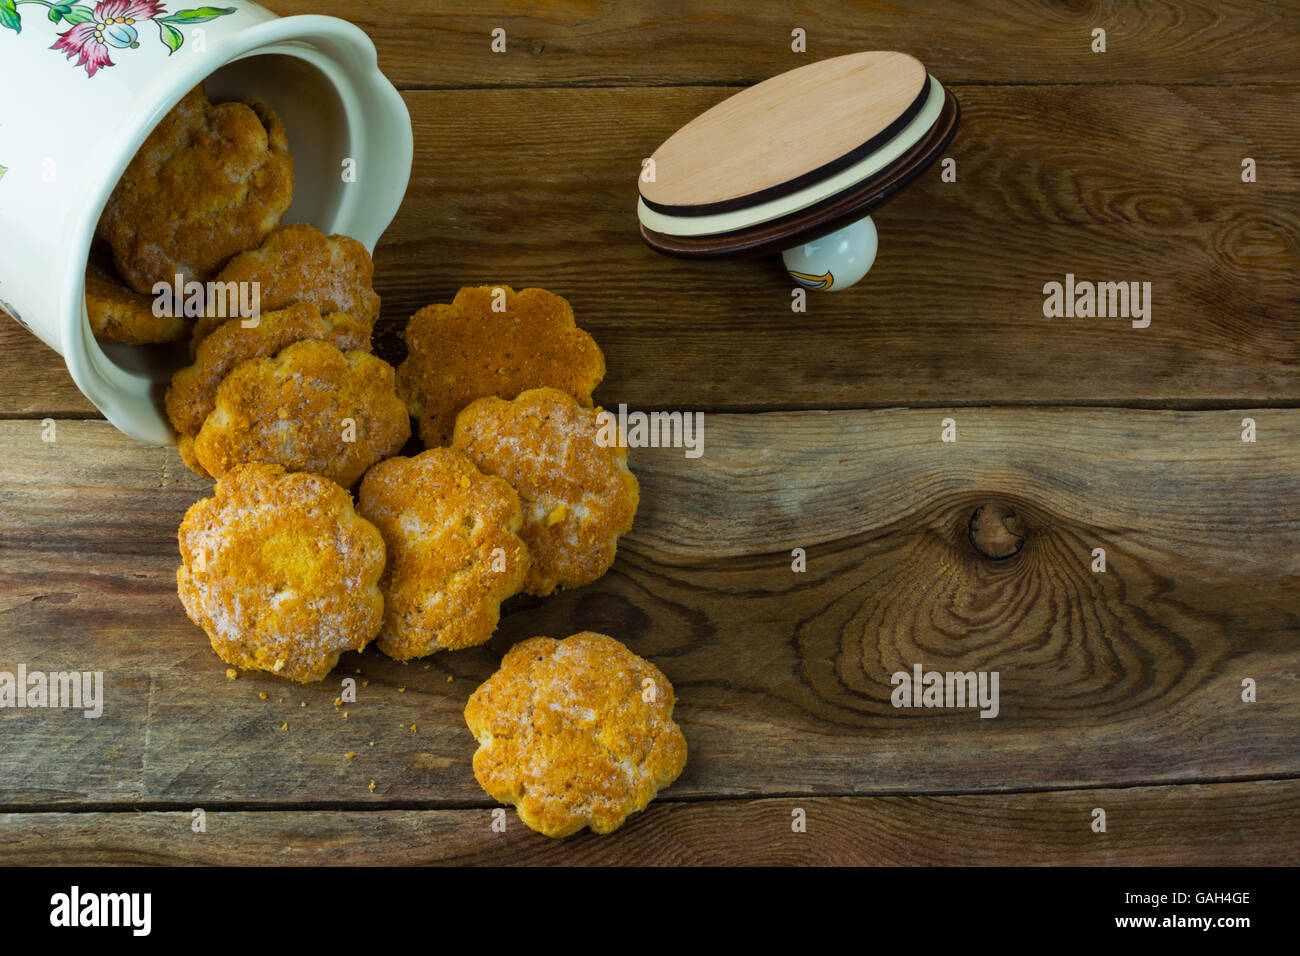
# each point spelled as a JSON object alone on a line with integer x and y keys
{"x": 231, "y": 673}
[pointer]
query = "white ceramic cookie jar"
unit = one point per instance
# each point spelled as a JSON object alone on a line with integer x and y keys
{"x": 84, "y": 85}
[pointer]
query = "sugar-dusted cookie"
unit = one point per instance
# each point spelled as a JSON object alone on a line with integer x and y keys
{"x": 463, "y": 351}
{"x": 575, "y": 733}
{"x": 310, "y": 408}
{"x": 118, "y": 313}
{"x": 281, "y": 572}
{"x": 578, "y": 496}
{"x": 210, "y": 181}
{"x": 298, "y": 263}
{"x": 453, "y": 551}
{"x": 193, "y": 391}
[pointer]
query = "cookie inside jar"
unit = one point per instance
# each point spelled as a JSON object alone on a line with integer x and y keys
{"x": 291, "y": 99}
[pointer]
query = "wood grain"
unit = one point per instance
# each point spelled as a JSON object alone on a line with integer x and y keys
{"x": 1134, "y": 675}
{"x": 1216, "y": 825}
{"x": 36, "y": 382}
{"x": 951, "y": 313}
{"x": 607, "y": 42}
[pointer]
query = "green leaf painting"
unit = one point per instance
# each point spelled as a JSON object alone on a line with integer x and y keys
{"x": 9, "y": 16}
{"x": 200, "y": 15}
{"x": 171, "y": 36}
{"x": 75, "y": 15}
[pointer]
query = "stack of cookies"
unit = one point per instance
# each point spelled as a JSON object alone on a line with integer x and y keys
{"x": 211, "y": 181}
{"x": 518, "y": 490}
{"x": 296, "y": 386}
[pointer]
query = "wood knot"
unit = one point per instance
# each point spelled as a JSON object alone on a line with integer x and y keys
{"x": 995, "y": 531}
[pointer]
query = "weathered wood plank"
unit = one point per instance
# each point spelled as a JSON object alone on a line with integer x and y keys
{"x": 36, "y": 383}
{"x": 1123, "y": 678}
{"x": 1110, "y": 184}
{"x": 1255, "y": 823}
{"x": 603, "y": 42}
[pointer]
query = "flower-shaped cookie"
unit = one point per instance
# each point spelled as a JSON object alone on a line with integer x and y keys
{"x": 281, "y": 572}
{"x": 463, "y": 351}
{"x": 577, "y": 493}
{"x": 311, "y": 408}
{"x": 453, "y": 551}
{"x": 210, "y": 181}
{"x": 193, "y": 391}
{"x": 118, "y": 313}
{"x": 575, "y": 733}
{"x": 298, "y": 263}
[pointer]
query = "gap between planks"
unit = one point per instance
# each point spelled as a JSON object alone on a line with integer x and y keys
{"x": 1255, "y": 403}
{"x": 1197, "y": 824}
{"x": 664, "y": 798}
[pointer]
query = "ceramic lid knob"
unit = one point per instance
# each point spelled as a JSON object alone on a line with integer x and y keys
{"x": 835, "y": 261}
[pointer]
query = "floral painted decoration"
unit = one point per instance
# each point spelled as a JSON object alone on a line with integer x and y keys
{"x": 111, "y": 24}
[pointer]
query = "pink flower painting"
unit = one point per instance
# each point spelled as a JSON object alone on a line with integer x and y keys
{"x": 95, "y": 32}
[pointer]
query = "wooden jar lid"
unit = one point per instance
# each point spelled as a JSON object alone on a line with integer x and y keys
{"x": 839, "y": 209}
{"x": 781, "y": 135}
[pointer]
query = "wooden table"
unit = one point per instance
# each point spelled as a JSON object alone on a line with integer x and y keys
{"x": 1119, "y": 690}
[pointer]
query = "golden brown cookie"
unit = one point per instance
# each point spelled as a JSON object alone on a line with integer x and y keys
{"x": 298, "y": 263}
{"x": 575, "y": 733}
{"x": 210, "y": 181}
{"x": 193, "y": 391}
{"x": 463, "y": 351}
{"x": 577, "y": 493}
{"x": 185, "y": 448}
{"x": 281, "y": 572}
{"x": 453, "y": 551}
{"x": 311, "y": 408}
{"x": 118, "y": 313}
